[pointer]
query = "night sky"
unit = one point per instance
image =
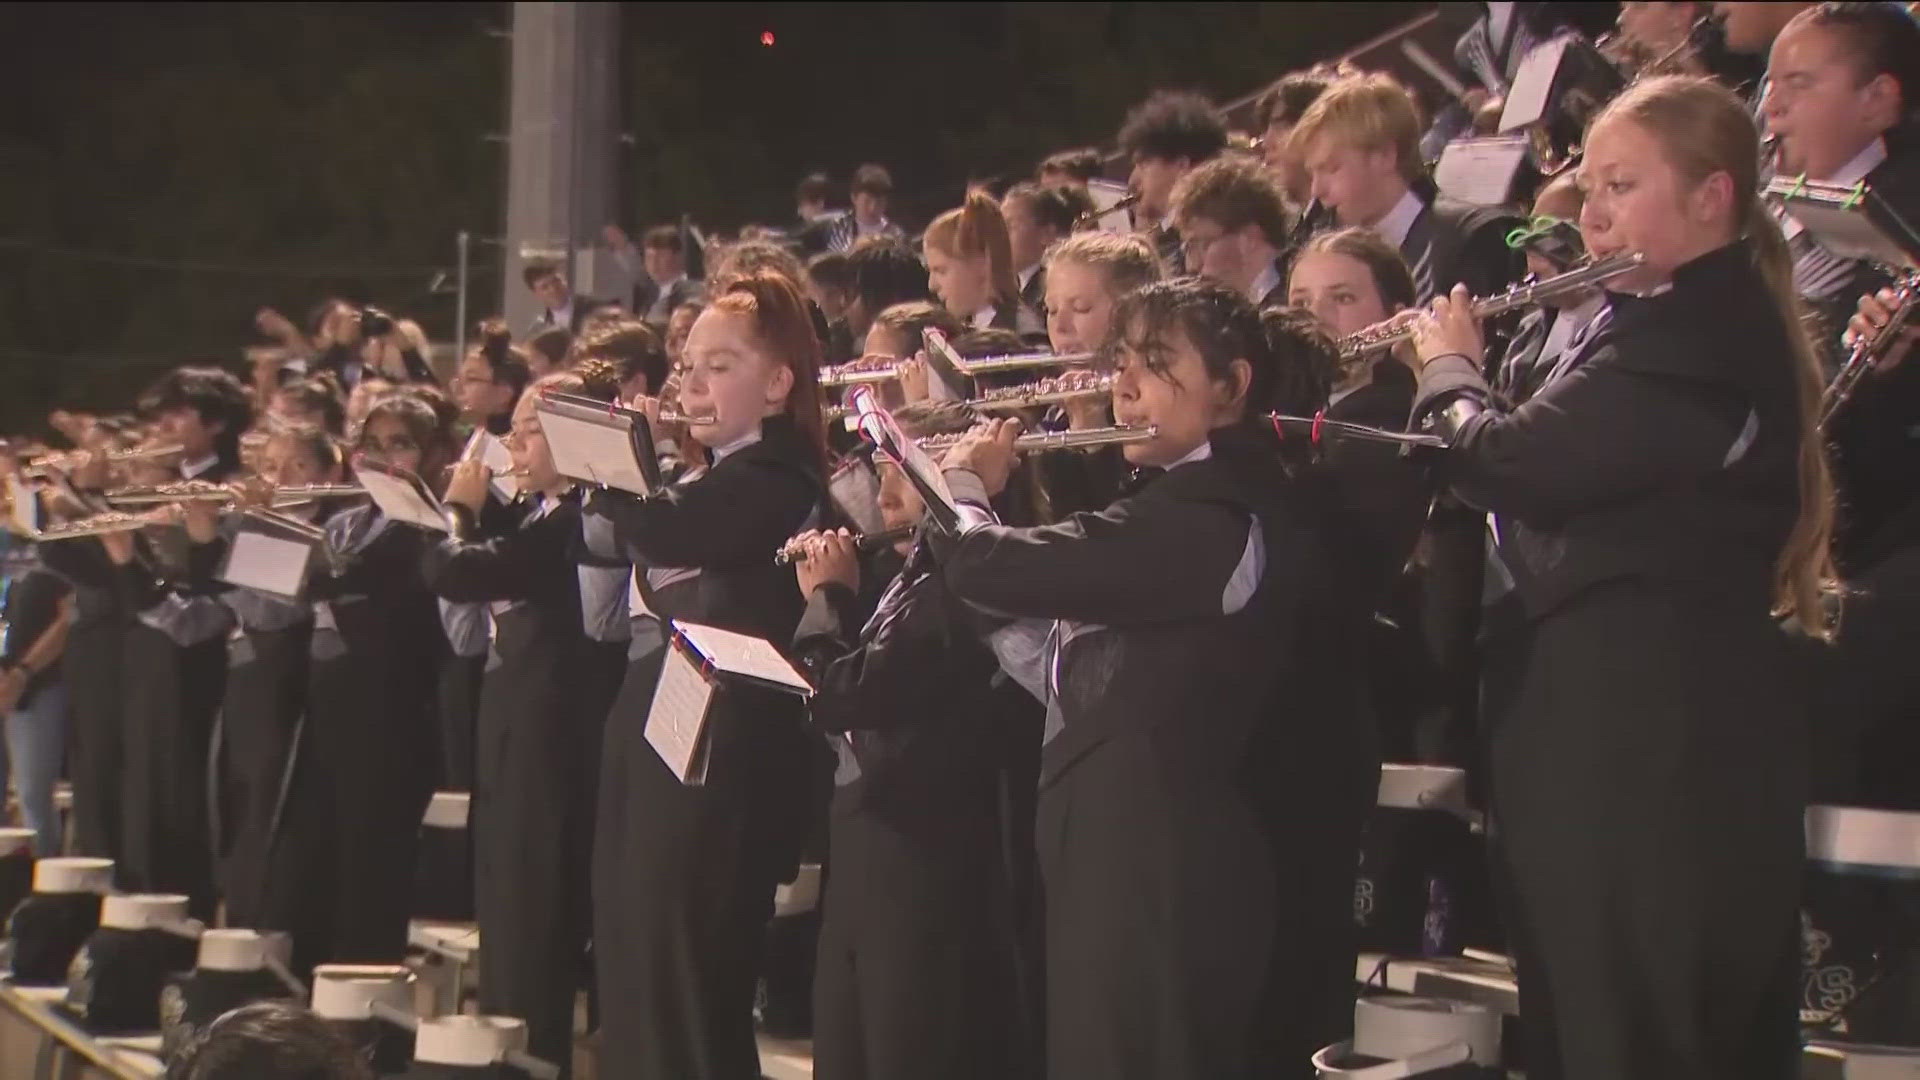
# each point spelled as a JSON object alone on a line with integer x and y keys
{"x": 165, "y": 169}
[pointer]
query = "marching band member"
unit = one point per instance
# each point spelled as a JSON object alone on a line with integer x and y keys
{"x": 266, "y": 689}
{"x": 1360, "y": 142}
{"x": 1163, "y": 137}
{"x": 1540, "y": 341}
{"x": 1233, "y": 223}
{"x": 342, "y": 863}
{"x": 1654, "y": 507}
{"x": 1843, "y": 95}
{"x": 175, "y": 663}
{"x": 916, "y": 968}
{"x": 1164, "y": 799}
{"x": 533, "y": 804}
{"x": 1038, "y": 217}
{"x": 970, "y": 266}
{"x": 1351, "y": 279}
{"x": 684, "y": 876}
{"x": 491, "y": 378}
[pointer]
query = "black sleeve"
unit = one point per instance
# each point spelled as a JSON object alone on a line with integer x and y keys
{"x": 1138, "y": 561}
{"x": 80, "y": 560}
{"x": 468, "y": 568}
{"x": 736, "y": 515}
{"x": 1601, "y": 434}
{"x": 390, "y": 560}
{"x": 882, "y": 680}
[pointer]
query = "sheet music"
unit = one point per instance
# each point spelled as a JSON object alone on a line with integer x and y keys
{"x": 1105, "y": 194}
{"x": 267, "y": 563}
{"x": 1529, "y": 97}
{"x": 856, "y": 491}
{"x": 400, "y": 501}
{"x": 24, "y": 512}
{"x": 741, "y": 654}
{"x": 1480, "y": 171}
{"x": 933, "y": 483}
{"x": 597, "y": 453}
{"x": 677, "y": 720}
{"x": 493, "y": 453}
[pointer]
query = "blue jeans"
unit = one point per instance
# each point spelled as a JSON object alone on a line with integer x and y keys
{"x": 36, "y": 744}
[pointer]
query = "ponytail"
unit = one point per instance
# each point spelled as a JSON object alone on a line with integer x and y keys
{"x": 1804, "y": 568}
{"x": 784, "y": 325}
{"x": 976, "y": 230}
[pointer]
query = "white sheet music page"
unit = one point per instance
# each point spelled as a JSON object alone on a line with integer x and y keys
{"x": 400, "y": 501}
{"x": 1480, "y": 171}
{"x": 677, "y": 722}
{"x": 267, "y": 563}
{"x": 595, "y": 453}
{"x": 740, "y": 654}
{"x": 1532, "y": 89}
{"x": 493, "y": 453}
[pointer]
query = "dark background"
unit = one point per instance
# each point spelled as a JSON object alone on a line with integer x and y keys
{"x": 166, "y": 169}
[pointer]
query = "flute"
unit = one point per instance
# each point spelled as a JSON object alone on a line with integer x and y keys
{"x": 795, "y": 550}
{"x": 1393, "y": 331}
{"x": 1125, "y": 202}
{"x": 202, "y": 491}
{"x": 675, "y": 416}
{"x": 1061, "y": 388}
{"x": 1058, "y": 440}
{"x": 855, "y": 373}
{"x": 67, "y": 460}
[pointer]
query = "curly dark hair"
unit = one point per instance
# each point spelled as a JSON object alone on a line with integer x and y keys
{"x": 1174, "y": 124}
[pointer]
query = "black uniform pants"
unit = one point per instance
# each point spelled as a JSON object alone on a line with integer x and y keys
{"x": 533, "y": 845}
{"x": 683, "y": 881}
{"x": 915, "y": 975}
{"x": 172, "y": 696}
{"x": 1648, "y": 779}
{"x": 92, "y": 671}
{"x": 1160, "y": 895}
{"x": 259, "y": 720}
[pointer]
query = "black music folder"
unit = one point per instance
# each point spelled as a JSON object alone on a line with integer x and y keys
{"x": 701, "y": 662}
{"x": 599, "y": 443}
{"x": 876, "y": 424}
{"x": 1850, "y": 220}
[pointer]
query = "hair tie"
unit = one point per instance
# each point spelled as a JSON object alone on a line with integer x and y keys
{"x": 1853, "y": 198}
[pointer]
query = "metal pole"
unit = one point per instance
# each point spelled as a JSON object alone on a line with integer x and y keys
{"x": 461, "y": 242}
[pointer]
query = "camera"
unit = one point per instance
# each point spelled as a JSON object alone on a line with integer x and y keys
{"x": 374, "y": 322}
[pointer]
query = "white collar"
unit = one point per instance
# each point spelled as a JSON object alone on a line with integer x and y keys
{"x": 861, "y": 228}
{"x": 983, "y": 319}
{"x": 562, "y": 316}
{"x": 1203, "y": 452}
{"x": 1398, "y": 222}
{"x": 1267, "y": 281}
{"x": 667, "y": 285}
{"x": 720, "y": 453}
{"x": 191, "y": 469}
{"x": 1864, "y": 162}
{"x": 1026, "y": 275}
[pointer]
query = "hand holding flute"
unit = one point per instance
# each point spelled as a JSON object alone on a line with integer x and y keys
{"x": 987, "y": 450}
{"x": 827, "y": 558}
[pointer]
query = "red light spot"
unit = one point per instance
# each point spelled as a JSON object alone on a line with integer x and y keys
{"x": 766, "y": 38}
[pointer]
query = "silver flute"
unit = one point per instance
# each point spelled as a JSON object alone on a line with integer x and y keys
{"x": 1058, "y": 440}
{"x": 1390, "y": 332}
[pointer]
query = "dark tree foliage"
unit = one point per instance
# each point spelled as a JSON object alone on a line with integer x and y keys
{"x": 257, "y": 143}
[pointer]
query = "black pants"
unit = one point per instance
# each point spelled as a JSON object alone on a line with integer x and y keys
{"x": 172, "y": 695}
{"x": 266, "y": 694}
{"x": 1648, "y": 760}
{"x": 533, "y": 844}
{"x": 342, "y": 866}
{"x": 916, "y": 963}
{"x": 1160, "y": 894}
{"x": 683, "y": 881}
{"x": 95, "y": 735}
